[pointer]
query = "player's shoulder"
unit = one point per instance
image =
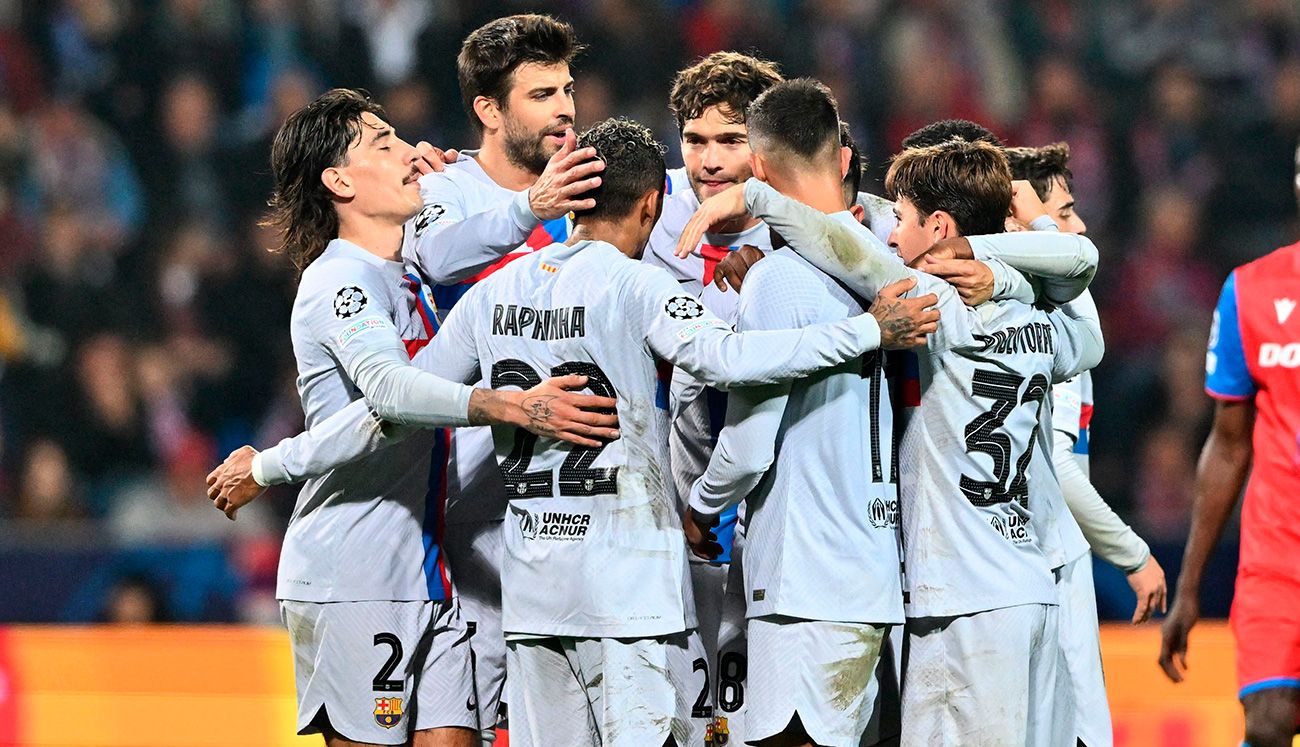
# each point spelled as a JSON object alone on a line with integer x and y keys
{"x": 1278, "y": 265}
{"x": 680, "y": 201}
{"x": 677, "y": 186}
{"x": 341, "y": 263}
{"x": 464, "y": 179}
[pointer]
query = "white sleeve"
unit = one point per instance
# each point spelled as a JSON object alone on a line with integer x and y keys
{"x": 451, "y": 241}
{"x": 1080, "y": 345}
{"x": 1107, "y": 534}
{"x": 351, "y": 319}
{"x": 846, "y": 250}
{"x": 772, "y": 298}
{"x": 1067, "y": 408}
{"x": 1010, "y": 284}
{"x": 745, "y": 450}
{"x": 680, "y": 330}
{"x": 1064, "y": 262}
{"x": 343, "y": 437}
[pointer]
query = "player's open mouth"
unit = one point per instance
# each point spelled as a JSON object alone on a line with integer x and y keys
{"x": 556, "y": 136}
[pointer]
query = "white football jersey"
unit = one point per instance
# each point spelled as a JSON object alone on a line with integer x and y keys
{"x": 585, "y": 523}
{"x": 1072, "y": 414}
{"x": 470, "y": 227}
{"x": 360, "y": 531}
{"x": 981, "y": 505}
{"x": 979, "y": 498}
{"x": 821, "y": 540}
{"x": 697, "y": 411}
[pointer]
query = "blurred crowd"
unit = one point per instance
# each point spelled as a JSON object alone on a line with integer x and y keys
{"x": 143, "y": 324}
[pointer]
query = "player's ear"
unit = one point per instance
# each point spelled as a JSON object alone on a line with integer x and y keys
{"x": 858, "y": 211}
{"x": 649, "y": 207}
{"x": 338, "y": 183}
{"x": 759, "y": 168}
{"x": 488, "y": 112}
{"x": 846, "y": 154}
{"x": 942, "y": 225}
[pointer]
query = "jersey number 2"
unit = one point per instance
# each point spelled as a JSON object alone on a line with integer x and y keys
{"x": 577, "y": 477}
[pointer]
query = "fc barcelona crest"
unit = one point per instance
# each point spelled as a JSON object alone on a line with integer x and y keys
{"x": 388, "y": 711}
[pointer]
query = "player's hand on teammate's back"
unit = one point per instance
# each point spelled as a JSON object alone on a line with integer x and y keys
{"x": 731, "y": 269}
{"x": 1148, "y": 583}
{"x": 231, "y": 485}
{"x": 724, "y": 206}
{"x": 553, "y": 409}
{"x": 904, "y": 322}
{"x": 971, "y": 278}
{"x": 570, "y": 172}
{"x": 699, "y": 534}
{"x": 433, "y": 158}
{"x": 1025, "y": 205}
{"x": 1173, "y": 635}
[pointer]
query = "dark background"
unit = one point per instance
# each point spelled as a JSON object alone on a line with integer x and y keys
{"x": 143, "y": 325}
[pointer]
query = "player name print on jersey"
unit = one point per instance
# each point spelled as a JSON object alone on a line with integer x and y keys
{"x": 1035, "y": 337}
{"x": 539, "y": 324}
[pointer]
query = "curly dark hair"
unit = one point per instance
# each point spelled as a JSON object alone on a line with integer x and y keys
{"x": 727, "y": 80}
{"x": 312, "y": 139}
{"x": 948, "y": 129}
{"x": 1042, "y": 166}
{"x": 634, "y": 165}
{"x": 968, "y": 180}
{"x": 491, "y": 53}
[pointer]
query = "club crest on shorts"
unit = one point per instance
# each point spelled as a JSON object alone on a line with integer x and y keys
{"x": 388, "y": 712}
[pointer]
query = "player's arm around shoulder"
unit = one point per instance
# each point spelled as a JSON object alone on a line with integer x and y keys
{"x": 452, "y": 238}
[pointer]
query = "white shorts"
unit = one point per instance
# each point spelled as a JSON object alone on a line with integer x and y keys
{"x": 886, "y": 714}
{"x": 708, "y": 586}
{"x": 731, "y": 670}
{"x": 474, "y": 557}
{"x": 604, "y": 692}
{"x": 989, "y": 679}
{"x": 1081, "y": 643}
{"x": 821, "y": 671}
{"x": 379, "y": 671}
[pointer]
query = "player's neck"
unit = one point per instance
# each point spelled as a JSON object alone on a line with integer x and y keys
{"x": 624, "y": 235}
{"x": 821, "y": 191}
{"x": 500, "y": 169}
{"x": 381, "y": 238}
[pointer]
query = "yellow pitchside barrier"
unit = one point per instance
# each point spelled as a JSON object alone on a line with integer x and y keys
{"x": 215, "y": 686}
